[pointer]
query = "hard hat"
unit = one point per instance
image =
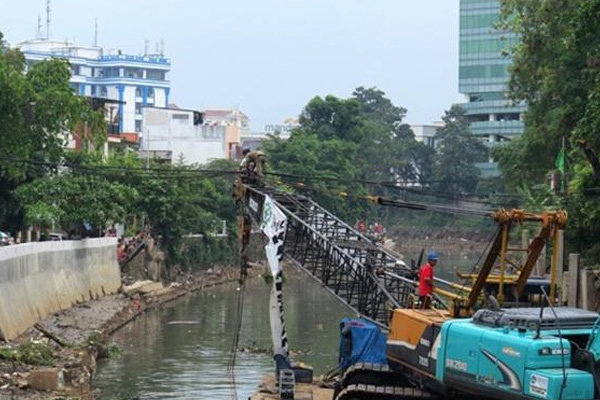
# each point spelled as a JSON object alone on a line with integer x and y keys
{"x": 432, "y": 256}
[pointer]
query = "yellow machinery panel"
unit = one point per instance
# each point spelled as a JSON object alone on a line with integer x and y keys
{"x": 408, "y": 324}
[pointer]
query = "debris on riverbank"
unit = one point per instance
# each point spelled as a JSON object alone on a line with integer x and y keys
{"x": 268, "y": 390}
{"x": 57, "y": 357}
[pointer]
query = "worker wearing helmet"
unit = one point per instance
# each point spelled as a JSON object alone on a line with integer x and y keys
{"x": 426, "y": 280}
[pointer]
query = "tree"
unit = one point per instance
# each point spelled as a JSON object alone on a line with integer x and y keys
{"x": 458, "y": 151}
{"x": 332, "y": 118}
{"x": 37, "y": 112}
{"x": 344, "y": 141}
{"x": 74, "y": 201}
{"x": 556, "y": 69}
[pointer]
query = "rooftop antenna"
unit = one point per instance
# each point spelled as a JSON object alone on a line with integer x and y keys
{"x": 47, "y": 19}
{"x": 96, "y": 32}
{"x": 162, "y": 47}
{"x": 157, "y": 48}
{"x": 146, "y": 45}
{"x": 38, "y": 33}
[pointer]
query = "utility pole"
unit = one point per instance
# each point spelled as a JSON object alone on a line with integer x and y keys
{"x": 47, "y": 19}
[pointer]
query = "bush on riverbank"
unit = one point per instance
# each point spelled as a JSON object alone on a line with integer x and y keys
{"x": 30, "y": 353}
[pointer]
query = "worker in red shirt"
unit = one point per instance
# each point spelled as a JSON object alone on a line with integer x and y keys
{"x": 426, "y": 280}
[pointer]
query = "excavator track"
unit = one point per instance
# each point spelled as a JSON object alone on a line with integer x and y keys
{"x": 376, "y": 392}
{"x": 376, "y": 381}
{"x": 373, "y": 374}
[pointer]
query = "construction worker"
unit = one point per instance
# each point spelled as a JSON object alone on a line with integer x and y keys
{"x": 426, "y": 280}
{"x": 244, "y": 159}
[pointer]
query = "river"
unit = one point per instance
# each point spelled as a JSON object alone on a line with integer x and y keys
{"x": 182, "y": 351}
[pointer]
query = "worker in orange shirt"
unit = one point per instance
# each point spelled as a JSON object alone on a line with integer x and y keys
{"x": 426, "y": 280}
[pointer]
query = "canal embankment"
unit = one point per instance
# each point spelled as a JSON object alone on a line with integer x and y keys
{"x": 59, "y": 304}
{"x": 40, "y": 278}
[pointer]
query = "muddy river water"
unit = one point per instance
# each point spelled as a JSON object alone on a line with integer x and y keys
{"x": 182, "y": 351}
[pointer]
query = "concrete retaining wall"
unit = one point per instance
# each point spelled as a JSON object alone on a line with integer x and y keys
{"x": 40, "y": 278}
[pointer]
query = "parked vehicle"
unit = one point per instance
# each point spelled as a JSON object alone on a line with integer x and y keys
{"x": 5, "y": 239}
{"x": 57, "y": 237}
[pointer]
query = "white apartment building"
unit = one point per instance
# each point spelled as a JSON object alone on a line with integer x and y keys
{"x": 177, "y": 134}
{"x": 133, "y": 81}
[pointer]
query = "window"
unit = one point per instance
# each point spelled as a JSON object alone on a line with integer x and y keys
{"x": 75, "y": 69}
{"x": 508, "y": 117}
{"x": 103, "y": 91}
{"x": 110, "y": 72}
{"x": 138, "y": 126}
{"x": 138, "y": 92}
{"x": 486, "y": 97}
{"x": 484, "y": 71}
{"x": 150, "y": 93}
{"x": 480, "y": 21}
{"x": 487, "y": 45}
{"x": 138, "y": 109}
{"x": 478, "y": 118}
{"x": 137, "y": 73}
{"x": 155, "y": 75}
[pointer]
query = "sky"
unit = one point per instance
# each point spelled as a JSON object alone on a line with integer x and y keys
{"x": 270, "y": 57}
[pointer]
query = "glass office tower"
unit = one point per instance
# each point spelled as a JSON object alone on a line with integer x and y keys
{"x": 483, "y": 74}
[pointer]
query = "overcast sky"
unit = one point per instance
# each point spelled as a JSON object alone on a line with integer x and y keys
{"x": 269, "y": 57}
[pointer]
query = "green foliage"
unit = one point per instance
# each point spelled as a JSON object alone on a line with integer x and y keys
{"x": 360, "y": 138}
{"x": 175, "y": 200}
{"x": 37, "y": 112}
{"x": 72, "y": 199}
{"x": 458, "y": 151}
{"x": 177, "y": 207}
{"x": 33, "y": 353}
{"x": 7, "y": 354}
{"x": 102, "y": 346}
{"x": 208, "y": 251}
{"x": 557, "y": 71}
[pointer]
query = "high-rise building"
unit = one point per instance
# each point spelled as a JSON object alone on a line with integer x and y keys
{"x": 483, "y": 75}
{"x": 132, "y": 81}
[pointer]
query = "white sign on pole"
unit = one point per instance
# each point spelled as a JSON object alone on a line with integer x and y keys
{"x": 274, "y": 225}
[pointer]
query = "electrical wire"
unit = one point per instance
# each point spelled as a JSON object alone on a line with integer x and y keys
{"x": 379, "y": 200}
{"x": 400, "y": 186}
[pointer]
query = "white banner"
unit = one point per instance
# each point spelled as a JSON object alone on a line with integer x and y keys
{"x": 274, "y": 225}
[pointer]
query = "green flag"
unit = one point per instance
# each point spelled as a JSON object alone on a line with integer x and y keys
{"x": 560, "y": 160}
